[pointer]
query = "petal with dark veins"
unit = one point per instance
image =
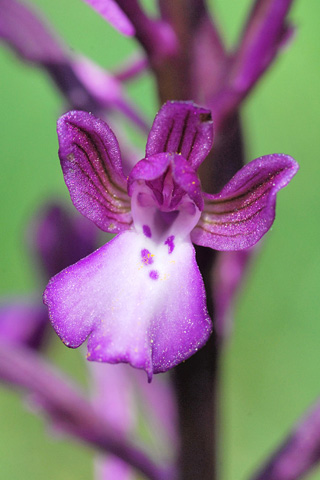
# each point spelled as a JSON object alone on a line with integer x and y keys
{"x": 244, "y": 210}
{"x": 91, "y": 164}
{"x": 183, "y": 128}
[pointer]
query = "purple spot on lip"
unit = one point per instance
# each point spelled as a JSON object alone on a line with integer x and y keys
{"x": 146, "y": 230}
{"x": 170, "y": 243}
{"x": 154, "y": 275}
{"x": 146, "y": 257}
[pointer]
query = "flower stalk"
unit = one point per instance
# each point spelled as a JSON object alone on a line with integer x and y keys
{"x": 68, "y": 409}
{"x": 161, "y": 291}
{"x": 299, "y": 452}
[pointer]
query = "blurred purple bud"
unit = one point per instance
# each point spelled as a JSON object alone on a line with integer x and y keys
{"x": 60, "y": 239}
{"x": 23, "y": 322}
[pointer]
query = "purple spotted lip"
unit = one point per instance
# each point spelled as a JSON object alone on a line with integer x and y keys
{"x": 140, "y": 298}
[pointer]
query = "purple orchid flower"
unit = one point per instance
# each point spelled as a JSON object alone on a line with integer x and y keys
{"x": 140, "y": 298}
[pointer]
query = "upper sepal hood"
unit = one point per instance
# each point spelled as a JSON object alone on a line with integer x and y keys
{"x": 183, "y": 128}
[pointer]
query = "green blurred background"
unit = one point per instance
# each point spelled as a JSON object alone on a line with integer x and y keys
{"x": 271, "y": 365}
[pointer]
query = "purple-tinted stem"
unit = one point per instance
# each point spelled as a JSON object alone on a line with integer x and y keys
{"x": 85, "y": 95}
{"x": 265, "y": 32}
{"x": 131, "y": 70}
{"x": 68, "y": 409}
{"x": 227, "y": 278}
{"x": 82, "y": 96}
{"x": 113, "y": 399}
{"x": 132, "y": 114}
{"x": 196, "y": 383}
{"x": 155, "y": 36}
{"x": 203, "y": 48}
{"x": 84, "y": 85}
{"x": 194, "y": 68}
{"x": 299, "y": 453}
{"x": 112, "y": 14}
{"x": 71, "y": 87}
{"x": 159, "y": 403}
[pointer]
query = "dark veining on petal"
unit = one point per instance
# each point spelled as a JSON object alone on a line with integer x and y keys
{"x": 168, "y": 136}
{"x": 184, "y": 128}
{"x": 101, "y": 162}
{"x": 98, "y": 176}
{"x": 254, "y": 187}
{"x": 90, "y": 137}
{"x": 202, "y": 225}
{"x": 104, "y": 192}
{"x": 195, "y": 135}
{"x": 237, "y": 209}
{"x": 108, "y": 210}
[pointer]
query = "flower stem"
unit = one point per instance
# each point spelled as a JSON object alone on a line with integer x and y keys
{"x": 69, "y": 410}
{"x": 298, "y": 454}
{"x": 196, "y": 383}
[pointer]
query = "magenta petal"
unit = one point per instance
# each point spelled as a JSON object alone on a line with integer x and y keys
{"x": 111, "y": 12}
{"x": 244, "y": 210}
{"x": 149, "y": 314}
{"x": 91, "y": 164}
{"x": 182, "y": 127}
{"x": 148, "y": 169}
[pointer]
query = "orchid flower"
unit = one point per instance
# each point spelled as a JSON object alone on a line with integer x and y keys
{"x": 140, "y": 298}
